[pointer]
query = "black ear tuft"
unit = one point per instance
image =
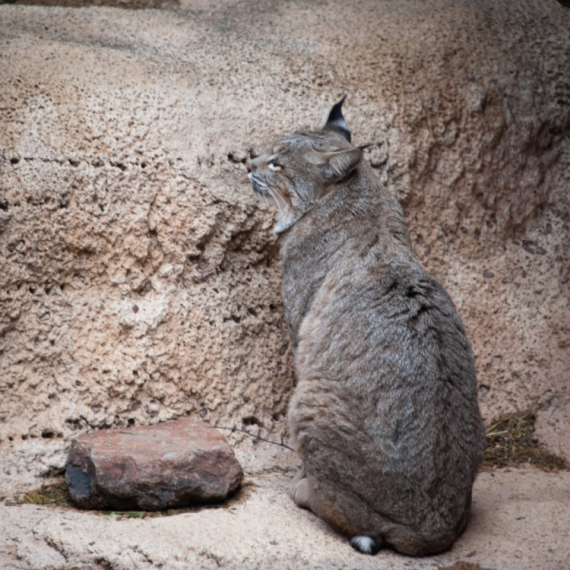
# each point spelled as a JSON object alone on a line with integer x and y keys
{"x": 334, "y": 121}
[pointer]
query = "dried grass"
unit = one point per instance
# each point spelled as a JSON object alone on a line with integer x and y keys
{"x": 511, "y": 443}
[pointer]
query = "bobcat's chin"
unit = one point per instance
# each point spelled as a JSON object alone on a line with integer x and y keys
{"x": 282, "y": 225}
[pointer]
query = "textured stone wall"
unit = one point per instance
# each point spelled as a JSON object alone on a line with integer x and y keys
{"x": 139, "y": 277}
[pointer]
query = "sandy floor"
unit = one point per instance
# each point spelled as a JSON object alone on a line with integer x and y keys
{"x": 521, "y": 520}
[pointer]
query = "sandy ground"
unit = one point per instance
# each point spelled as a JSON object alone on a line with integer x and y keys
{"x": 520, "y": 521}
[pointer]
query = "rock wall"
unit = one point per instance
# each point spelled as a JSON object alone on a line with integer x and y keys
{"x": 138, "y": 275}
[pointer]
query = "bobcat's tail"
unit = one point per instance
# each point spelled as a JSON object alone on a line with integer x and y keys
{"x": 365, "y": 544}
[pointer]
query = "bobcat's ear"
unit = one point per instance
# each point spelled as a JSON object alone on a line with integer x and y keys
{"x": 342, "y": 163}
{"x": 334, "y": 121}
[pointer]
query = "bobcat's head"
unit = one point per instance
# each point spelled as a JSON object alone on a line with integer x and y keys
{"x": 301, "y": 168}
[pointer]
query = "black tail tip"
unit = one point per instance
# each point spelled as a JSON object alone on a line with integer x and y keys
{"x": 365, "y": 544}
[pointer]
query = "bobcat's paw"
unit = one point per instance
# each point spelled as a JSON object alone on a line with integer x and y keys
{"x": 301, "y": 493}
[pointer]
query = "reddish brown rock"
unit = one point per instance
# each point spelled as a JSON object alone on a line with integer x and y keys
{"x": 173, "y": 464}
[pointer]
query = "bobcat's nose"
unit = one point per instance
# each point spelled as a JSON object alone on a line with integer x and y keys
{"x": 248, "y": 166}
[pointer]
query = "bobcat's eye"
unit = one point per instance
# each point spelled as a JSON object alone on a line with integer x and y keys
{"x": 272, "y": 165}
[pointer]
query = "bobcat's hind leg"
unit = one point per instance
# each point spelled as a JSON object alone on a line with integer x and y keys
{"x": 314, "y": 496}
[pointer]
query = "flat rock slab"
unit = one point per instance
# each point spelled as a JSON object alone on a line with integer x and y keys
{"x": 169, "y": 465}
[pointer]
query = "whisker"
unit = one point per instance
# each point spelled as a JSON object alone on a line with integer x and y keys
{"x": 282, "y": 199}
{"x": 263, "y": 189}
{"x": 276, "y": 200}
{"x": 260, "y": 188}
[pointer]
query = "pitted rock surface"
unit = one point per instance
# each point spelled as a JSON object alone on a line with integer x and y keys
{"x": 173, "y": 464}
{"x": 139, "y": 277}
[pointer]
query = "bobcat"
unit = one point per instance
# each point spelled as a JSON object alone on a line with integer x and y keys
{"x": 385, "y": 414}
